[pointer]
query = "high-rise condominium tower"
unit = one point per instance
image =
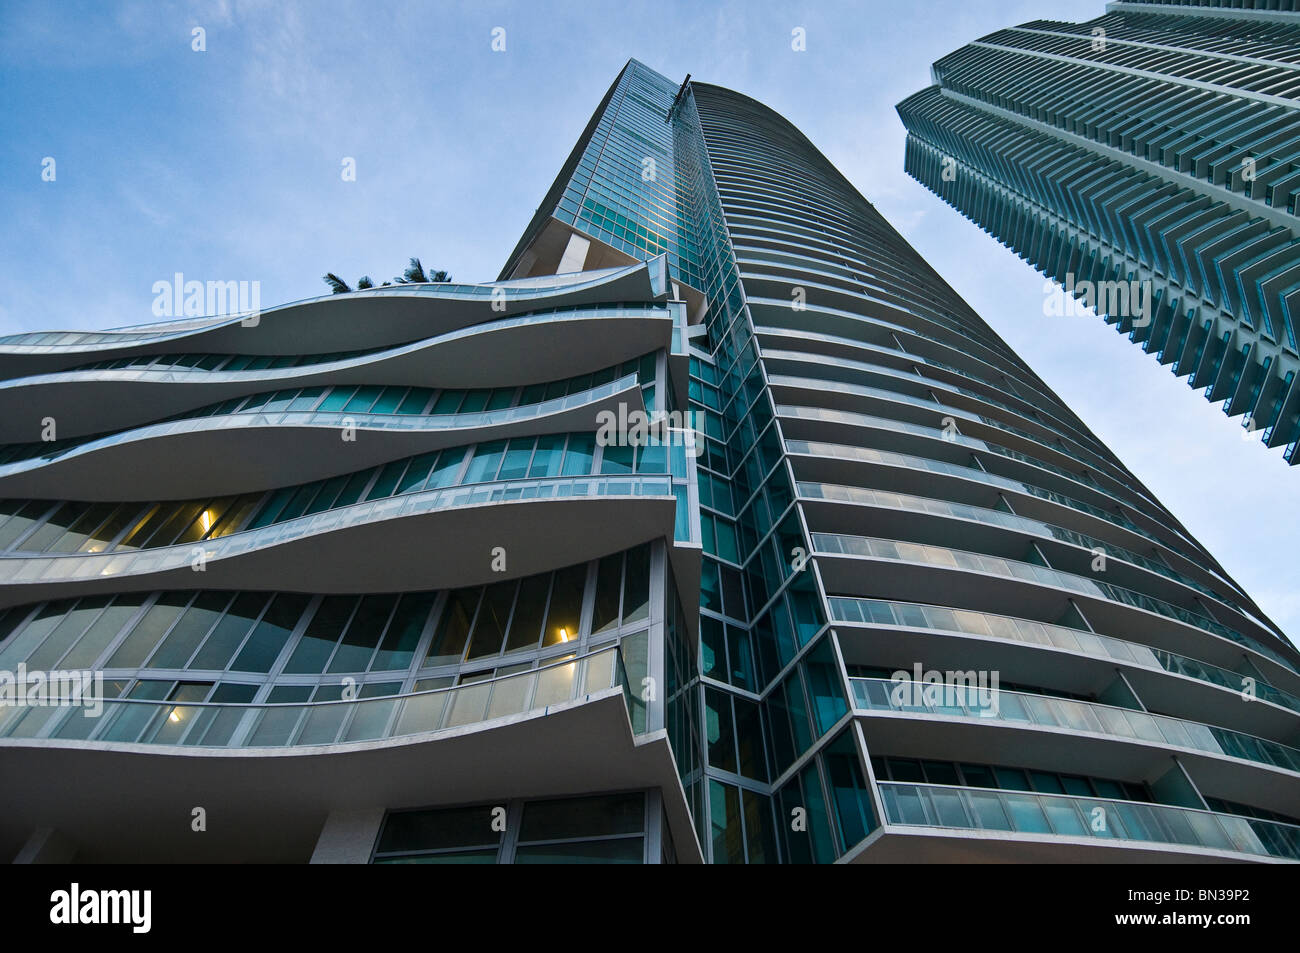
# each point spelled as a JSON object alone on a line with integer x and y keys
{"x": 405, "y": 574}
{"x": 1149, "y": 161}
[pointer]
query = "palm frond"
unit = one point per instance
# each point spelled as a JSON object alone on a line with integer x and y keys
{"x": 337, "y": 285}
{"x": 414, "y": 273}
{"x": 364, "y": 282}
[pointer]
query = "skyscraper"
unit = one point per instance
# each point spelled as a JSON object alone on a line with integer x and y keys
{"x": 1149, "y": 162}
{"x": 466, "y": 584}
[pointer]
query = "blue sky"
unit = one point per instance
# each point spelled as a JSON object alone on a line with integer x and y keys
{"x": 225, "y": 165}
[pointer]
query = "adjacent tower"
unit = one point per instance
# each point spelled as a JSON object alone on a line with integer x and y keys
{"x": 1149, "y": 161}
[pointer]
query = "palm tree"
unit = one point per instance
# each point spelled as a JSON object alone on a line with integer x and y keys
{"x": 414, "y": 274}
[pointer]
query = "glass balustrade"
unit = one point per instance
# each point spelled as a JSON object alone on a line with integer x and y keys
{"x": 992, "y": 704}
{"x": 943, "y": 806}
{"x": 943, "y": 619}
{"x": 63, "y": 568}
{"x": 217, "y": 725}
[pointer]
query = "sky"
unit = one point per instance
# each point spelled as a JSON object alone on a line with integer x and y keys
{"x": 226, "y": 164}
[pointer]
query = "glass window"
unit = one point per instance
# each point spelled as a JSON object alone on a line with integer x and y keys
{"x": 609, "y": 576}
{"x": 362, "y": 636}
{"x": 564, "y": 618}
{"x": 848, "y": 790}
{"x": 417, "y": 472}
{"x": 623, "y": 850}
{"x": 187, "y": 634}
{"x": 229, "y": 633}
{"x": 549, "y": 456}
{"x": 515, "y": 464}
{"x": 316, "y": 644}
{"x": 271, "y": 633}
{"x": 526, "y": 624}
{"x": 453, "y": 628}
{"x": 403, "y": 635}
{"x": 724, "y": 814}
{"x": 636, "y": 585}
{"x": 447, "y": 402}
{"x": 389, "y": 400}
{"x": 720, "y": 731}
{"x": 445, "y": 470}
{"x": 583, "y": 817}
{"x": 433, "y": 830}
{"x": 579, "y": 454}
{"x": 362, "y": 399}
{"x": 487, "y": 459}
{"x": 148, "y": 631}
{"x": 101, "y": 632}
{"x": 490, "y": 626}
{"x": 617, "y": 459}
{"x": 387, "y": 480}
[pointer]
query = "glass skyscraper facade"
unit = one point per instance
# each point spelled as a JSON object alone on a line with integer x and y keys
{"x": 1153, "y": 151}
{"x": 434, "y": 592}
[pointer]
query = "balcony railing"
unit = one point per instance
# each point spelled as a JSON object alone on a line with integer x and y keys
{"x": 224, "y": 725}
{"x": 878, "y": 694}
{"x": 1030, "y": 632}
{"x": 180, "y": 373}
{"x": 324, "y": 420}
{"x": 943, "y": 806}
{"x": 948, "y": 558}
{"x": 32, "y": 569}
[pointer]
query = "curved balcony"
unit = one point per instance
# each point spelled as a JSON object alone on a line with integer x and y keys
{"x": 840, "y": 396}
{"x": 1066, "y": 731}
{"x": 389, "y": 315}
{"x": 1148, "y": 669}
{"x": 760, "y": 306}
{"x": 172, "y": 459}
{"x": 821, "y": 424}
{"x": 1043, "y": 821}
{"x": 810, "y": 345}
{"x": 1171, "y": 583}
{"x": 786, "y": 366}
{"x": 520, "y": 350}
{"x": 835, "y": 462}
{"x": 382, "y": 718}
{"x": 877, "y": 694}
{"x": 1113, "y": 605}
{"x": 437, "y": 537}
{"x": 278, "y": 771}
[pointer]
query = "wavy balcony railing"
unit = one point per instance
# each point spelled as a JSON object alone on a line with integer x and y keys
{"x": 961, "y": 808}
{"x": 866, "y": 546}
{"x": 17, "y": 570}
{"x": 1047, "y": 711}
{"x": 224, "y": 725}
{"x": 179, "y": 374}
{"x": 331, "y": 420}
{"x": 982, "y": 514}
{"x": 969, "y": 622}
{"x": 528, "y": 289}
